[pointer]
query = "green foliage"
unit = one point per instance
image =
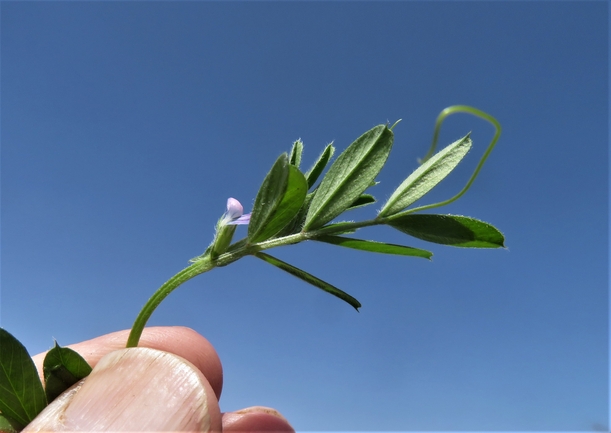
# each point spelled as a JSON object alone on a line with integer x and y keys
{"x": 297, "y": 222}
{"x": 309, "y": 278}
{"x": 340, "y": 228}
{"x": 295, "y": 155}
{"x": 21, "y": 393}
{"x": 22, "y": 396}
{"x": 6, "y": 426}
{"x": 457, "y": 231}
{"x": 374, "y": 247}
{"x": 426, "y": 177}
{"x": 62, "y": 368}
{"x": 279, "y": 199}
{"x": 362, "y": 200}
{"x": 349, "y": 176}
{"x": 320, "y": 164}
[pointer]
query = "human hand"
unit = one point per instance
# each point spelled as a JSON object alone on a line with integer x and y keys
{"x": 171, "y": 382}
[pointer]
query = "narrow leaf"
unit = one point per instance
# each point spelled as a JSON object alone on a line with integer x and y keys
{"x": 282, "y": 212}
{"x": 458, "y": 231}
{"x": 374, "y": 247}
{"x": 296, "y": 151}
{"x": 340, "y": 228}
{"x": 362, "y": 200}
{"x": 320, "y": 164}
{"x": 269, "y": 196}
{"x": 21, "y": 394}
{"x": 349, "y": 176}
{"x": 309, "y": 278}
{"x": 425, "y": 177}
{"x": 62, "y": 368}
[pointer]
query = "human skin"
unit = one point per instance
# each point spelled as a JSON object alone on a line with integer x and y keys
{"x": 172, "y": 381}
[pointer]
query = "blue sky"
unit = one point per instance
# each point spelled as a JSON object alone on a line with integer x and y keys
{"x": 126, "y": 126}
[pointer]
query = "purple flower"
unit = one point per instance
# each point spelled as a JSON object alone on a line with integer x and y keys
{"x": 235, "y": 213}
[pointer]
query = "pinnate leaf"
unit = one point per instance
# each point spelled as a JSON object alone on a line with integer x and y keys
{"x": 21, "y": 393}
{"x": 349, "y": 176}
{"x": 454, "y": 230}
{"x": 373, "y": 246}
{"x": 425, "y": 177}
{"x": 309, "y": 278}
{"x": 62, "y": 368}
{"x": 279, "y": 199}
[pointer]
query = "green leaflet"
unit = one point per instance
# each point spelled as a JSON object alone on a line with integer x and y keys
{"x": 362, "y": 200}
{"x": 62, "y": 368}
{"x": 349, "y": 176}
{"x": 458, "y": 231}
{"x": 289, "y": 206}
{"x": 279, "y": 199}
{"x": 309, "y": 278}
{"x": 425, "y": 177}
{"x": 269, "y": 196}
{"x": 297, "y": 222}
{"x": 374, "y": 247}
{"x": 320, "y": 164}
{"x": 295, "y": 155}
{"x": 295, "y": 225}
{"x": 340, "y": 228}
{"x": 21, "y": 394}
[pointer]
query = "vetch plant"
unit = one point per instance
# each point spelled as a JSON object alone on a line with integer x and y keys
{"x": 290, "y": 207}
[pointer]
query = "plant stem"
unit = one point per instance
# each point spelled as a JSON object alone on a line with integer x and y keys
{"x": 168, "y": 287}
{"x": 246, "y": 248}
{"x": 241, "y": 249}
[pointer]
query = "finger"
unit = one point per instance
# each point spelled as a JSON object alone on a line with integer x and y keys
{"x": 137, "y": 389}
{"x": 181, "y": 341}
{"x": 255, "y": 419}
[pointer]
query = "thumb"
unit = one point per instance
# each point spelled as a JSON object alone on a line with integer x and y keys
{"x": 138, "y": 389}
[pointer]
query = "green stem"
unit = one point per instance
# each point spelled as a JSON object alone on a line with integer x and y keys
{"x": 234, "y": 252}
{"x": 242, "y": 248}
{"x": 245, "y": 249}
{"x": 168, "y": 287}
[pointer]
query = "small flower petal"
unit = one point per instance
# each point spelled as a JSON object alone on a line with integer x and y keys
{"x": 234, "y": 208}
{"x": 244, "y": 219}
{"x": 235, "y": 213}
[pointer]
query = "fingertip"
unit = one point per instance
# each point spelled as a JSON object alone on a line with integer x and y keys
{"x": 256, "y": 419}
{"x": 136, "y": 389}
